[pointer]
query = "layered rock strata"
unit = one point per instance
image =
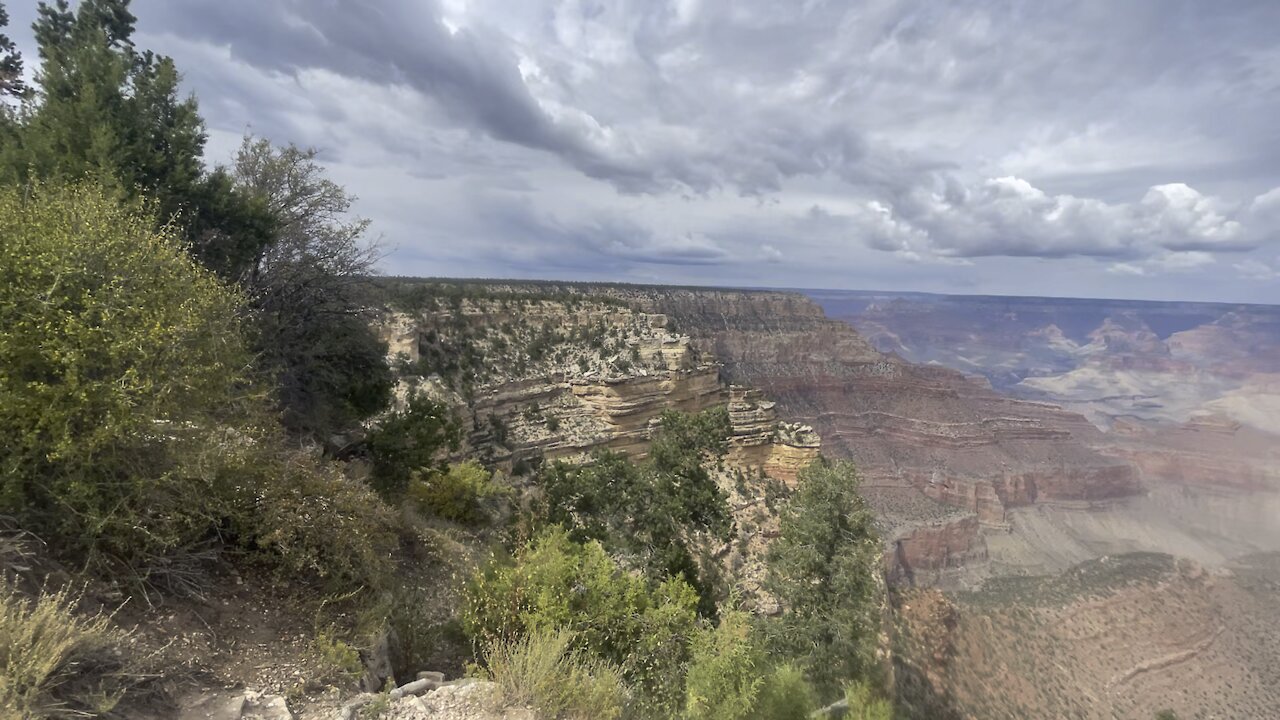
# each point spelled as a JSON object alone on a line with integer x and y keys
{"x": 918, "y": 434}
{"x": 601, "y": 381}
{"x": 923, "y": 436}
{"x": 760, "y": 440}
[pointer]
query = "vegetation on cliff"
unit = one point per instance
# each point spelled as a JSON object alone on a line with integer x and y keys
{"x": 191, "y": 392}
{"x": 658, "y": 512}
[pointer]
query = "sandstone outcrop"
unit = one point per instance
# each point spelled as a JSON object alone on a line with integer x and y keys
{"x": 558, "y": 379}
{"x": 925, "y": 427}
{"x": 760, "y": 440}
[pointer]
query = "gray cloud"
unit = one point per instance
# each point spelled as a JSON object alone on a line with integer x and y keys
{"x": 1103, "y": 148}
{"x": 1009, "y": 216}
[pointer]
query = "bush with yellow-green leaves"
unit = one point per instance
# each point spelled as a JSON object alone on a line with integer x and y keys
{"x": 458, "y": 493}
{"x": 120, "y": 353}
{"x": 133, "y": 432}
{"x": 554, "y": 583}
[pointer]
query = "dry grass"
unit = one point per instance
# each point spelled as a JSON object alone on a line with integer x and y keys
{"x": 542, "y": 671}
{"x": 55, "y": 663}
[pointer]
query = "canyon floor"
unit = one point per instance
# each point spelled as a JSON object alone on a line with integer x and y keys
{"x": 1160, "y": 596}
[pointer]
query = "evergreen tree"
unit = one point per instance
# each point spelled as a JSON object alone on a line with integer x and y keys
{"x": 104, "y": 110}
{"x": 10, "y": 62}
{"x": 654, "y": 512}
{"x": 824, "y": 568}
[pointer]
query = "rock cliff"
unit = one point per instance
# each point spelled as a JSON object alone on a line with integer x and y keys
{"x": 943, "y": 456}
{"x": 1122, "y": 636}
{"x": 543, "y": 378}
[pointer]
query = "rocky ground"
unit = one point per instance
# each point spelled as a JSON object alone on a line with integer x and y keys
{"x": 1119, "y": 637}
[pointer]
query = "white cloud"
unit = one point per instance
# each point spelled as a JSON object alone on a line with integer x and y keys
{"x": 770, "y": 254}
{"x": 949, "y": 144}
{"x": 1127, "y": 269}
{"x": 1173, "y": 224}
{"x": 1253, "y": 269}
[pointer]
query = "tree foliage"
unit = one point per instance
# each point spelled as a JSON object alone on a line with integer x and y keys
{"x": 554, "y": 583}
{"x": 409, "y": 442}
{"x": 652, "y": 512}
{"x": 457, "y": 494}
{"x": 731, "y": 677}
{"x": 315, "y": 337}
{"x": 119, "y": 352}
{"x": 824, "y": 569}
{"x": 133, "y": 433}
{"x": 725, "y": 667}
{"x": 104, "y": 110}
{"x": 10, "y": 62}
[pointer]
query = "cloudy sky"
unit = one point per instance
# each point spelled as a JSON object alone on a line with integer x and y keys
{"x": 1110, "y": 148}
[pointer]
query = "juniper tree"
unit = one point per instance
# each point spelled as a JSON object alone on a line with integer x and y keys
{"x": 823, "y": 568}
{"x": 102, "y": 109}
{"x": 10, "y": 62}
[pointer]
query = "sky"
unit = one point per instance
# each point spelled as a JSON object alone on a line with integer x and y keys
{"x": 1084, "y": 149}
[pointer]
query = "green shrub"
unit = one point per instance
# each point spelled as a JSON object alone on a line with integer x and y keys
{"x": 120, "y": 354}
{"x": 457, "y": 494}
{"x": 724, "y": 671}
{"x": 314, "y": 523}
{"x": 544, "y": 671}
{"x": 864, "y": 705}
{"x": 55, "y": 663}
{"x": 785, "y": 694}
{"x": 410, "y": 441}
{"x": 652, "y": 512}
{"x": 336, "y": 660}
{"x": 554, "y": 584}
{"x": 729, "y": 677}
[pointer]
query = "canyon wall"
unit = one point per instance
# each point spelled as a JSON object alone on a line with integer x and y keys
{"x": 1116, "y": 637}
{"x": 554, "y": 379}
{"x": 943, "y": 456}
{"x": 951, "y": 467}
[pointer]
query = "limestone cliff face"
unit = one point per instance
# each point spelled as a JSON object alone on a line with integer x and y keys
{"x": 1210, "y": 451}
{"x": 942, "y": 455}
{"x": 948, "y": 435}
{"x": 556, "y": 379}
{"x": 759, "y": 440}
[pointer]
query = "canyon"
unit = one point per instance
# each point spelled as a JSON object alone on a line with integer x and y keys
{"x": 1160, "y": 598}
{"x": 1042, "y": 472}
{"x": 970, "y": 474}
{"x": 1183, "y": 392}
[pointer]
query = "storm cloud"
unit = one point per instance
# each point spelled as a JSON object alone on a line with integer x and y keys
{"x": 1075, "y": 148}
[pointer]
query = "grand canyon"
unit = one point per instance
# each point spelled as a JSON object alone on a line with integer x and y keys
{"x": 1142, "y": 509}
{"x": 616, "y": 360}
{"x": 1043, "y": 472}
